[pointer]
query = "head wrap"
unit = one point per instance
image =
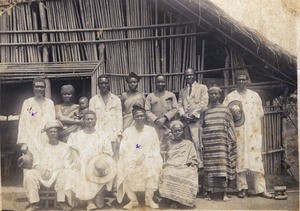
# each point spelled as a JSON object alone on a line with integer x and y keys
{"x": 176, "y": 122}
{"x": 67, "y": 88}
{"x": 133, "y": 75}
{"x": 137, "y": 107}
{"x": 215, "y": 88}
{"x": 51, "y": 124}
{"x": 241, "y": 73}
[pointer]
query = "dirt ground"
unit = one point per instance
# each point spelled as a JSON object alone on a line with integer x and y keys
{"x": 14, "y": 198}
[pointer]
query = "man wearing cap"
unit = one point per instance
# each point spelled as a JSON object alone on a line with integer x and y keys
{"x": 48, "y": 166}
{"x": 161, "y": 106}
{"x": 140, "y": 161}
{"x": 108, "y": 109}
{"x": 84, "y": 146}
{"x": 36, "y": 112}
{"x": 192, "y": 100}
{"x": 249, "y": 137}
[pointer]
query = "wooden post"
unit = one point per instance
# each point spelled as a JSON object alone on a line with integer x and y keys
{"x": 99, "y": 70}
{"x": 157, "y": 50}
{"x": 226, "y": 75}
{"x": 44, "y": 27}
{"x": 45, "y": 50}
{"x": 202, "y": 59}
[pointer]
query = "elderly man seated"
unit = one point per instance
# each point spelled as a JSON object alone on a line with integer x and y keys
{"x": 47, "y": 167}
{"x": 92, "y": 166}
{"x": 140, "y": 161}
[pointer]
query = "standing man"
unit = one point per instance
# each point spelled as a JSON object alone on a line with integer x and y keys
{"x": 36, "y": 112}
{"x": 249, "y": 137}
{"x": 192, "y": 100}
{"x": 108, "y": 109}
{"x": 161, "y": 106}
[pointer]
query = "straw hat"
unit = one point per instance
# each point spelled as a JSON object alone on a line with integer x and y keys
{"x": 238, "y": 114}
{"x": 25, "y": 161}
{"x": 104, "y": 163}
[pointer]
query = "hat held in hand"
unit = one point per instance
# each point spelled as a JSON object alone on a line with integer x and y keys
{"x": 237, "y": 112}
{"x": 25, "y": 161}
{"x": 101, "y": 169}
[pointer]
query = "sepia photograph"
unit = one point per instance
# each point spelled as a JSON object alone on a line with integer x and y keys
{"x": 149, "y": 104}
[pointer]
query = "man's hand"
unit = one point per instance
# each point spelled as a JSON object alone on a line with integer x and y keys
{"x": 192, "y": 116}
{"x": 160, "y": 121}
{"x": 46, "y": 175}
{"x": 186, "y": 117}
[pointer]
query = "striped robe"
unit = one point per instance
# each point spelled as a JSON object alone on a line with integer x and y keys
{"x": 219, "y": 157}
{"x": 179, "y": 179}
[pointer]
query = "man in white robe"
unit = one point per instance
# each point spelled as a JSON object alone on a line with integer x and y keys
{"x": 48, "y": 166}
{"x": 108, "y": 109}
{"x": 249, "y": 137}
{"x": 140, "y": 161}
{"x": 84, "y": 145}
{"x": 36, "y": 112}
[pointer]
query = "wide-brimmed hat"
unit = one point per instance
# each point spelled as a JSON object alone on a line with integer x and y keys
{"x": 102, "y": 162}
{"x": 25, "y": 161}
{"x": 238, "y": 114}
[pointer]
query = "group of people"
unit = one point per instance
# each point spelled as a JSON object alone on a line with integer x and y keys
{"x": 116, "y": 144}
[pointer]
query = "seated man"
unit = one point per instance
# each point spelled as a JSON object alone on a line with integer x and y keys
{"x": 84, "y": 147}
{"x": 48, "y": 166}
{"x": 140, "y": 161}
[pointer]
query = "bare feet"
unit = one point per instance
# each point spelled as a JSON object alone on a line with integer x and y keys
{"x": 91, "y": 206}
{"x": 225, "y": 197}
{"x": 131, "y": 205}
{"x": 31, "y": 207}
{"x": 207, "y": 196}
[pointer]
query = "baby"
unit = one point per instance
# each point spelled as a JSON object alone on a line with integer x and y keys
{"x": 83, "y": 106}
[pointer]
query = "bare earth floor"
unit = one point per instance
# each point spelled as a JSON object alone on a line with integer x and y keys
{"x": 14, "y": 198}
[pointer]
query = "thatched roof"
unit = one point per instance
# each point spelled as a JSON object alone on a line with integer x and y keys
{"x": 271, "y": 58}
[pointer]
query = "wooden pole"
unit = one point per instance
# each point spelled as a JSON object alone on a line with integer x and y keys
{"x": 226, "y": 75}
{"x": 45, "y": 50}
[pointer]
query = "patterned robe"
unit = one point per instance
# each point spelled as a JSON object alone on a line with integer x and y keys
{"x": 179, "y": 180}
{"x": 219, "y": 156}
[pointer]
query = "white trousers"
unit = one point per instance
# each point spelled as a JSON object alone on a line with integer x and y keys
{"x": 32, "y": 181}
{"x": 259, "y": 181}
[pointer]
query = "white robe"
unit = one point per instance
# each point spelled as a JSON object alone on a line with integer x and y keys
{"x": 88, "y": 146}
{"x": 139, "y": 160}
{"x": 249, "y": 135}
{"x": 33, "y": 118}
{"x": 109, "y": 116}
{"x": 49, "y": 157}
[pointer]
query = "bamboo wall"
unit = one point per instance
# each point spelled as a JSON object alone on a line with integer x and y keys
{"x": 272, "y": 139}
{"x": 72, "y": 30}
{"x": 121, "y": 36}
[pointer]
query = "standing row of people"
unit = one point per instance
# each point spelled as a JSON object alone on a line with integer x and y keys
{"x": 210, "y": 135}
